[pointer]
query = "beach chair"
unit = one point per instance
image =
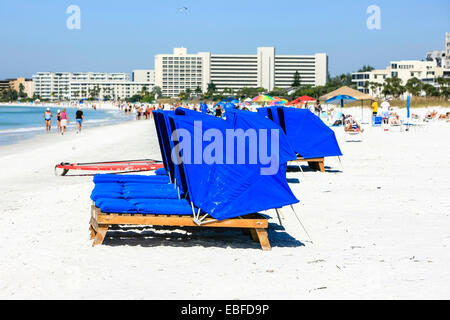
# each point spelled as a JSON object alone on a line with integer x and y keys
{"x": 310, "y": 137}
{"x": 181, "y": 212}
{"x": 376, "y": 121}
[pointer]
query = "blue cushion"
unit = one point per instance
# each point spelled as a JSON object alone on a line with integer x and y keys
{"x": 110, "y": 194}
{"x": 143, "y": 186}
{"x": 162, "y": 206}
{"x": 161, "y": 172}
{"x": 151, "y": 193}
{"x": 109, "y": 185}
{"x": 116, "y": 178}
{"x": 106, "y": 178}
{"x": 116, "y": 206}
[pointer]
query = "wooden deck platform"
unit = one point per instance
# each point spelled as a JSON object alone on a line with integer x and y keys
{"x": 254, "y": 224}
{"x": 317, "y": 164}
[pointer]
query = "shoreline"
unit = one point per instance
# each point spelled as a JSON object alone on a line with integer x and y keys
{"x": 55, "y": 137}
{"x": 107, "y": 117}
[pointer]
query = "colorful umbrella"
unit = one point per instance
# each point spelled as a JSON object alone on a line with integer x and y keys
{"x": 262, "y": 98}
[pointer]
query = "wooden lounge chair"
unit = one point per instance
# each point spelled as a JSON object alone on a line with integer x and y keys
{"x": 317, "y": 164}
{"x": 255, "y": 224}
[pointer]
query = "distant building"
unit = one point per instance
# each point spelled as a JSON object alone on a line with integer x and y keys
{"x": 143, "y": 76}
{"x": 438, "y": 56}
{"x": 179, "y": 71}
{"x": 79, "y": 85}
{"x": 4, "y": 84}
{"x": 28, "y": 87}
{"x": 426, "y": 71}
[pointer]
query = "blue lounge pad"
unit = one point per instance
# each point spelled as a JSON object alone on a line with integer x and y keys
{"x": 161, "y": 172}
{"x": 152, "y": 194}
{"x": 116, "y": 206}
{"x": 97, "y": 194}
{"x": 145, "y": 186}
{"x": 109, "y": 185}
{"x": 115, "y": 178}
{"x": 162, "y": 206}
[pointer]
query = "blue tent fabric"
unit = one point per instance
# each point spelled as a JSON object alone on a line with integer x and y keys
{"x": 251, "y": 120}
{"x": 230, "y": 190}
{"x": 308, "y": 135}
{"x": 270, "y": 112}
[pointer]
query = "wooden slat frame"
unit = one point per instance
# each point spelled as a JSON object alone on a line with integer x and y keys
{"x": 313, "y": 163}
{"x": 100, "y": 223}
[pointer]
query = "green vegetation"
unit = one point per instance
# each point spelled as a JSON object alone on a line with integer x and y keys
{"x": 296, "y": 83}
{"x": 366, "y": 68}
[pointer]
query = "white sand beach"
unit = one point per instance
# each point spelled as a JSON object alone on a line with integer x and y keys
{"x": 380, "y": 228}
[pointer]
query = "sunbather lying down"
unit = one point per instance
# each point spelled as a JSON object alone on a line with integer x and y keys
{"x": 352, "y": 126}
{"x": 444, "y": 116}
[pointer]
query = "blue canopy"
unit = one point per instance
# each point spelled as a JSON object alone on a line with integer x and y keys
{"x": 231, "y": 100}
{"x": 251, "y": 120}
{"x": 340, "y": 99}
{"x": 270, "y": 112}
{"x": 306, "y": 133}
{"x": 226, "y": 190}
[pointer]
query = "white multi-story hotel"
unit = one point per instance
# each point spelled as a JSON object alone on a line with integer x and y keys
{"x": 143, "y": 76}
{"x": 79, "y": 85}
{"x": 437, "y": 65}
{"x": 179, "y": 71}
{"x": 425, "y": 71}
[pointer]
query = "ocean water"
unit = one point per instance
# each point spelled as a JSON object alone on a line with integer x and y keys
{"x": 19, "y": 123}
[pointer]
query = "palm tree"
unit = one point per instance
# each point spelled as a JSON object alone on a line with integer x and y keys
{"x": 22, "y": 94}
{"x": 188, "y": 93}
{"x": 414, "y": 86}
{"x": 157, "y": 92}
{"x": 211, "y": 88}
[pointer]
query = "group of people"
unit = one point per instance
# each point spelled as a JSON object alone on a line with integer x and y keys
{"x": 62, "y": 119}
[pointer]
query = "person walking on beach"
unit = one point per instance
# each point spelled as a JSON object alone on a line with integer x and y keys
{"x": 58, "y": 121}
{"x": 79, "y": 117}
{"x": 48, "y": 120}
{"x": 64, "y": 120}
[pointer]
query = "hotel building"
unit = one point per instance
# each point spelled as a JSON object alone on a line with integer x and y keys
{"x": 425, "y": 71}
{"x": 437, "y": 65}
{"x": 78, "y": 85}
{"x": 179, "y": 71}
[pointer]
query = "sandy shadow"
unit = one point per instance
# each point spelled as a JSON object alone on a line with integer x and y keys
{"x": 194, "y": 237}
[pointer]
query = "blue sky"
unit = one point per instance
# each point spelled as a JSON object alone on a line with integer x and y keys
{"x": 118, "y": 36}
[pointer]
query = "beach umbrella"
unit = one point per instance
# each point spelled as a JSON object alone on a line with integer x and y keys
{"x": 278, "y": 99}
{"x": 340, "y": 99}
{"x": 306, "y": 98}
{"x": 231, "y": 100}
{"x": 262, "y": 98}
